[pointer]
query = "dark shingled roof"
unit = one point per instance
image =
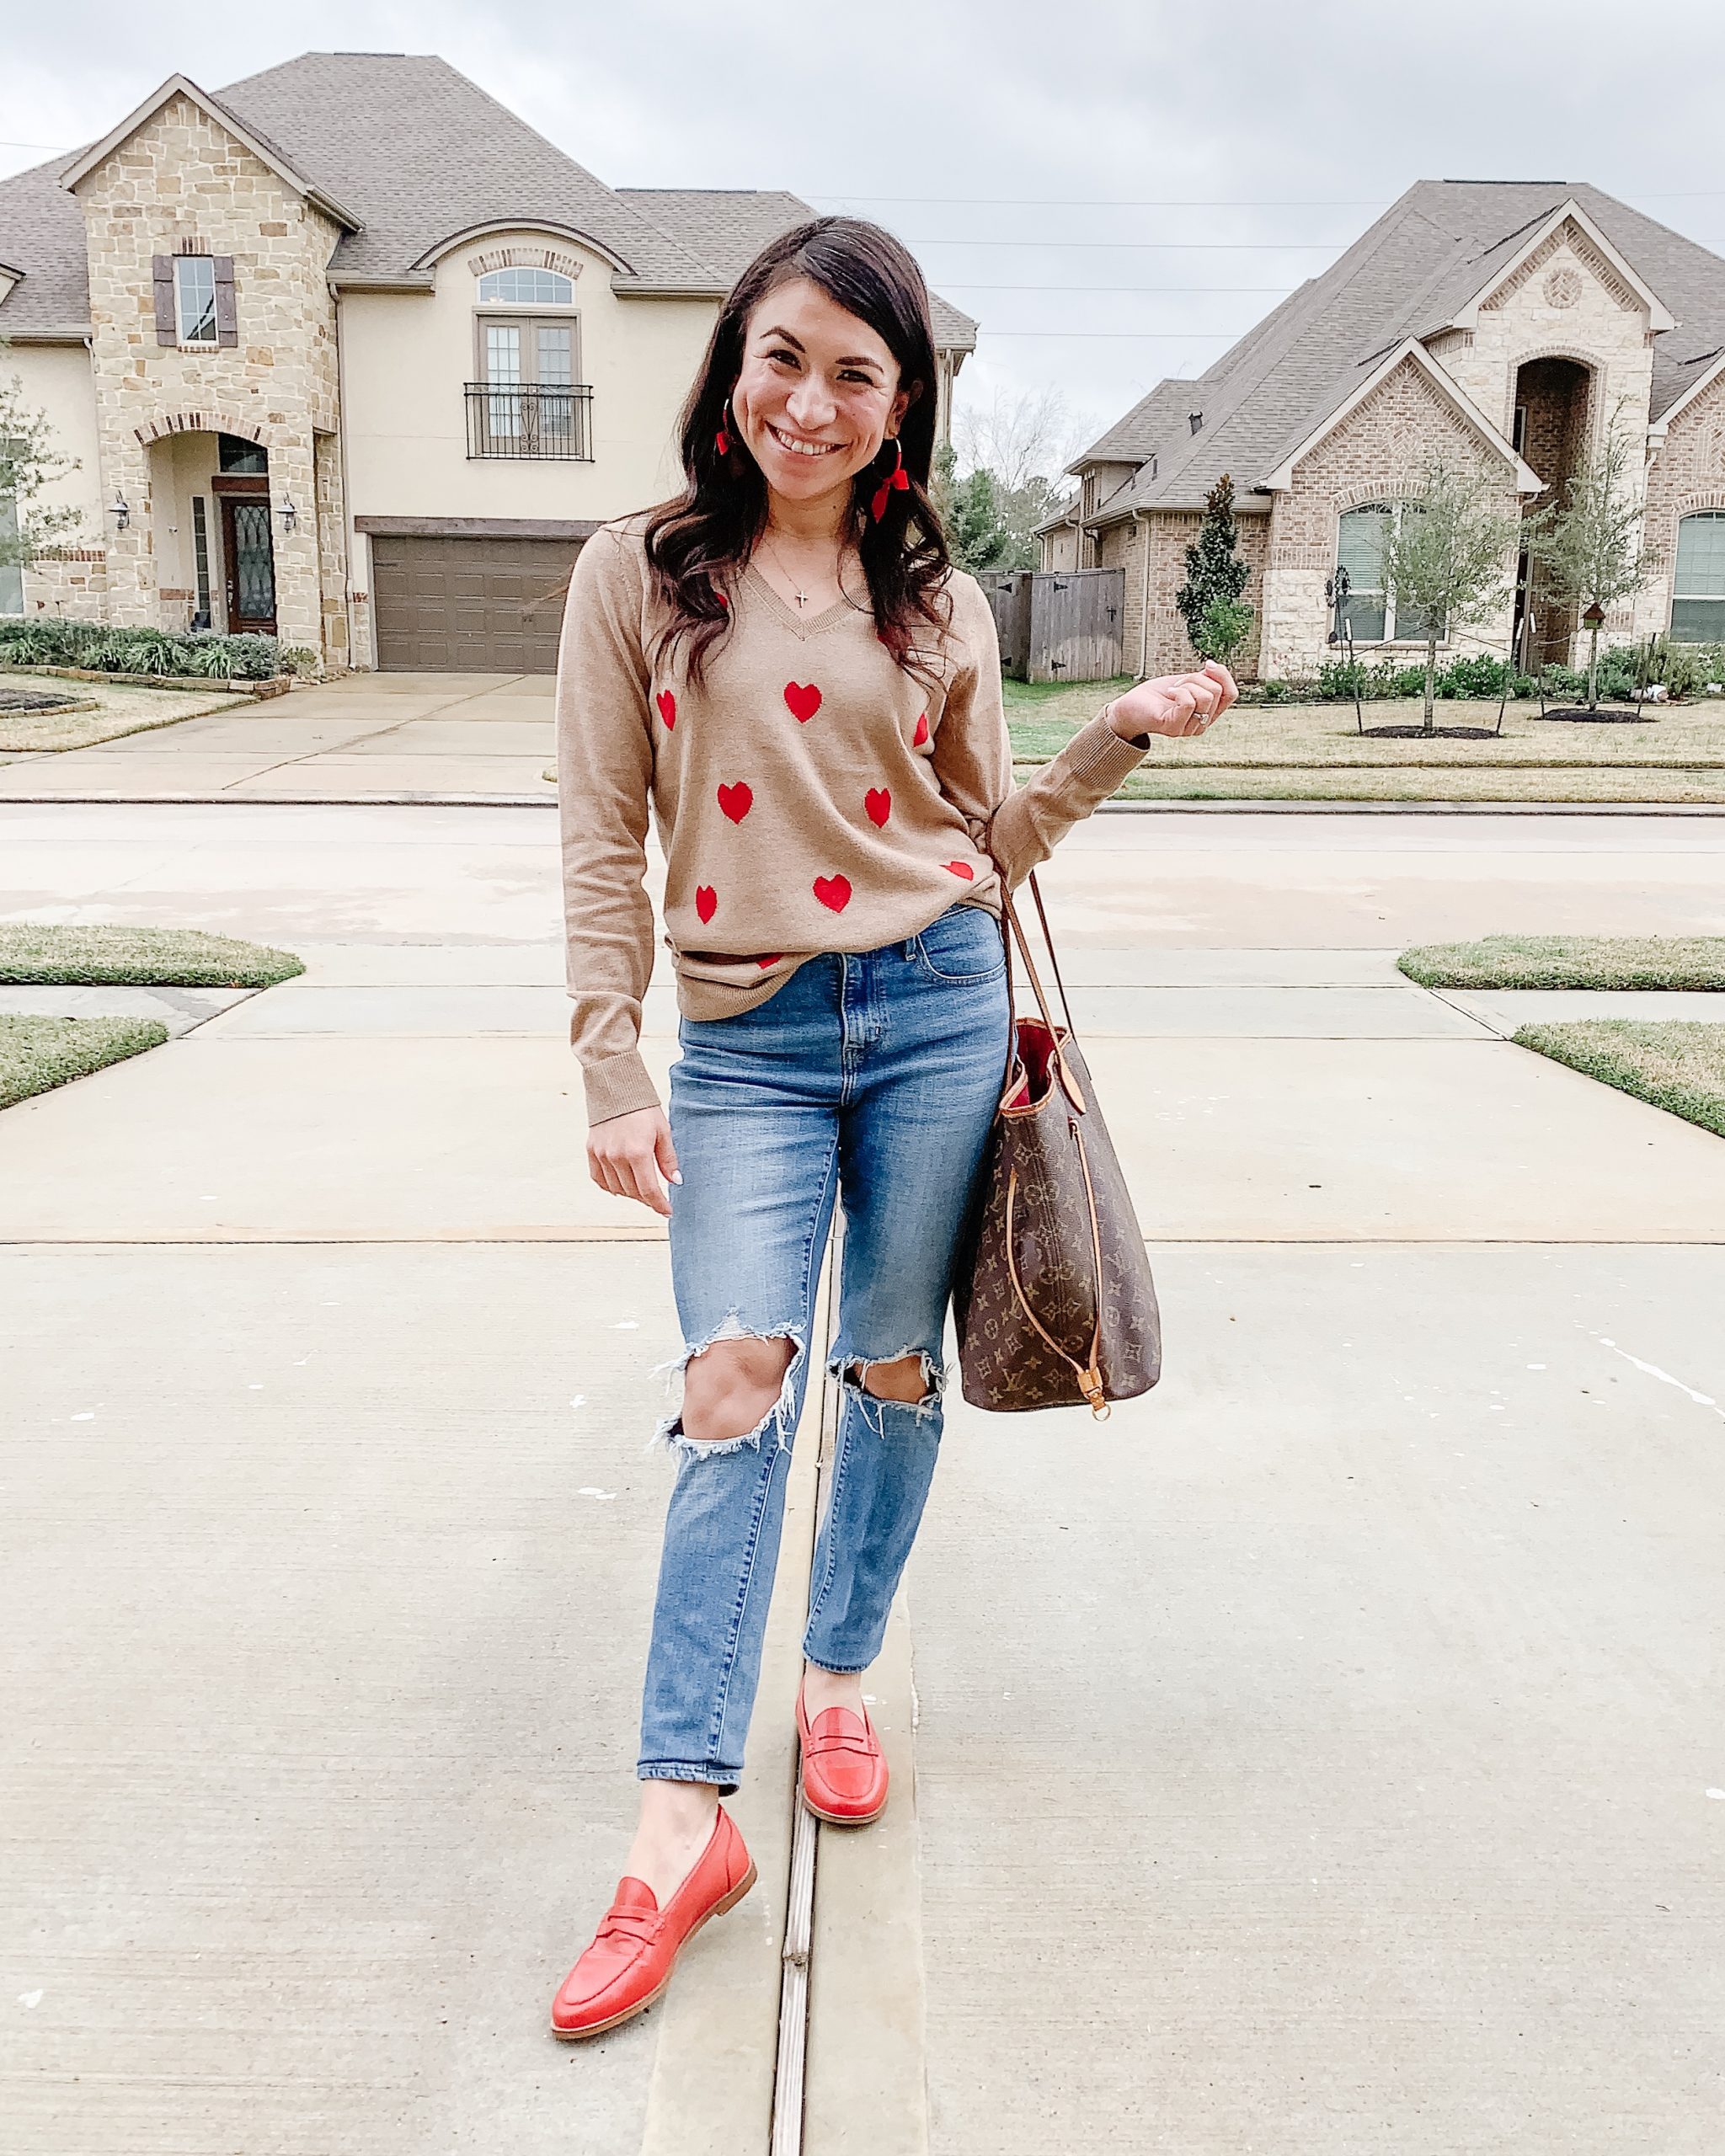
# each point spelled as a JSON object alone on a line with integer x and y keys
{"x": 419, "y": 154}
{"x": 1405, "y": 277}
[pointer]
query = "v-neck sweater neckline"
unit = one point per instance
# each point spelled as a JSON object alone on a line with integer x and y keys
{"x": 803, "y": 626}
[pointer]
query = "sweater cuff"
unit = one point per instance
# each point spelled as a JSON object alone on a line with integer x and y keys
{"x": 1101, "y": 758}
{"x": 617, "y": 1086}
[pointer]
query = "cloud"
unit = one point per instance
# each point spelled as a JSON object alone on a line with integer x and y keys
{"x": 1305, "y": 119}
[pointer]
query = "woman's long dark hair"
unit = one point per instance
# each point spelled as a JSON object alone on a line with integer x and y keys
{"x": 695, "y": 543}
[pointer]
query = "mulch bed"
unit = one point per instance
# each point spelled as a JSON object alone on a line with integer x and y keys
{"x": 40, "y": 700}
{"x": 1602, "y": 718}
{"x": 1437, "y": 734}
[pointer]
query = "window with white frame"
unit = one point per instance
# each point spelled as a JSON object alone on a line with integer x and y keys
{"x": 195, "y": 299}
{"x": 527, "y": 288}
{"x": 11, "y": 571}
{"x": 1373, "y": 616}
{"x": 1698, "y": 584}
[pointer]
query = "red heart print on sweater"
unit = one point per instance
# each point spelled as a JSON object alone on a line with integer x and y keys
{"x": 961, "y": 868}
{"x": 771, "y": 958}
{"x": 736, "y": 801}
{"x": 920, "y": 735}
{"x": 834, "y": 891}
{"x": 667, "y": 708}
{"x": 803, "y": 699}
{"x": 706, "y": 901}
{"x": 878, "y": 802}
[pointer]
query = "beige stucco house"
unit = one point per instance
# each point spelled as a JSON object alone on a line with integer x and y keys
{"x": 349, "y": 354}
{"x": 1500, "y": 324}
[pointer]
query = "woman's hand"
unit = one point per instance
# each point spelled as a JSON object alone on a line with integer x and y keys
{"x": 1178, "y": 704}
{"x": 632, "y": 1157}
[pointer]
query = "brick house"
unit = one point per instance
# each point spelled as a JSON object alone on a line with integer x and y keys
{"x": 1502, "y": 324}
{"x": 349, "y": 354}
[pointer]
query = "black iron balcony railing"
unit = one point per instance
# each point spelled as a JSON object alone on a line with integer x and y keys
{"x": 530, "y": 419}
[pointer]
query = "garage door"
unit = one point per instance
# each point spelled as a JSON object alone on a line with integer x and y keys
{"x": 469, "y": 605}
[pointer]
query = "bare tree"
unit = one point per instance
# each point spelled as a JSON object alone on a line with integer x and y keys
{"x": 1592, "y": 544}
{"x": 29, "y": 461}
{"x": 1018, "y": 437}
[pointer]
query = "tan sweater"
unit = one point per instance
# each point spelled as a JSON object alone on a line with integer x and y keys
{"x": 811, "y": 795}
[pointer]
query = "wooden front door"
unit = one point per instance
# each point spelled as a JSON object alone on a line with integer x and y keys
{"x": 248, "y": 564}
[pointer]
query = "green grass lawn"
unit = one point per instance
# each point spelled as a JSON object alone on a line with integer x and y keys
{"x": 111, "y": 710}
{"x": 1314, "y": 752}
{"x": 138, "y": 957}
{"x": 1638, "y": 962}
{"x": 1672, "y": 1065}
{"x": 38, "y": 1053}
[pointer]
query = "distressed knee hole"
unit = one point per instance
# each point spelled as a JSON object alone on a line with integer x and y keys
{"x": 913, "y": 1379}
{"x": 736, "y": 1385}
{"x": 906, "y": 1379}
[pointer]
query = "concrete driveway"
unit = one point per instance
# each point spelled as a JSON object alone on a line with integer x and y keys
{"x": 1320, "y": 1755}
{"x": 367, "y": 737}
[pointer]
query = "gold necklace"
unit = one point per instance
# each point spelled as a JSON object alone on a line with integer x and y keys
{"x": 800, "y": 596}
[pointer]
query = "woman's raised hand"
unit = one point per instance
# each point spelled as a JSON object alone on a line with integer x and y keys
{"x": 632, "y": 1157}
{"x": 1178, "y": 704}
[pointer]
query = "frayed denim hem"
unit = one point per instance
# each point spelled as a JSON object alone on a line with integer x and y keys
{"x": 679, "y": 1771}
{"x": 670, "y": 1434}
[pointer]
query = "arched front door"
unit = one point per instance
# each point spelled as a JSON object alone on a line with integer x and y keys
{"x": 248, "y": 558}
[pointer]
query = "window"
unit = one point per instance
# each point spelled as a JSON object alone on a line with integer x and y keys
{"x": 1518, "y": 431}
{"x": 11, "y": 572}
{"x": 200, "y": 556}
{"x": 527, "y": 288}
{"x": 512, "y": 353}
{"x": 529, "y": 368}
{"x": 1698, "y": 588}
{"x": 233, "y": 453}
{"x": 195, "y": 299}
{"x": 1372, "y": 616}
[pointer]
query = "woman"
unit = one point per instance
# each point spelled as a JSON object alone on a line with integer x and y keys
{"x": 782, "y": 665}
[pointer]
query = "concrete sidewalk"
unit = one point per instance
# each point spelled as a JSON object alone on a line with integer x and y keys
{"x": 1315, "y": 1755}
{"x": 380, "y": 737}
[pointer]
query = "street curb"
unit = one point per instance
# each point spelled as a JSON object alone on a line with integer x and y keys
{"x": 866, "y": 2088}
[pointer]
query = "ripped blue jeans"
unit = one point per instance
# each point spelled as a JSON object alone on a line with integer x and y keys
{"x": 870, "y": 1078}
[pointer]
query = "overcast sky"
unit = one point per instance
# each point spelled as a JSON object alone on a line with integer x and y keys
{"x": 1205, "y": 157}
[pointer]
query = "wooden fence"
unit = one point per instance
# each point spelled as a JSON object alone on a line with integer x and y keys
{"x": 1059, "y": 625}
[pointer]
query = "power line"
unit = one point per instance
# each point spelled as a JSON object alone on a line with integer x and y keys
{"x": 1147, "y": 336}
{"x": 1159, "y": 245}
{"x": 1099, "y": 202}
{"x": 964, "y": 285}
{"x": 1109, "y": 202}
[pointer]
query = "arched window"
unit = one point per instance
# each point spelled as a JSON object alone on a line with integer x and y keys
{"x": 1373, "y": 615}
{"x": 1698, "y": 587}
{"x": 527, "y": 288}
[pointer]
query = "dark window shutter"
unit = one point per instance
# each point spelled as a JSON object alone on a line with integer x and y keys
{"x": 226, "y": 321}
{"x": 161, "y": 274}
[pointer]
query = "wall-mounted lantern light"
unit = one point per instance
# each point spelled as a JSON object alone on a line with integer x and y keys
{"x": 121, "y": 511}
{"x": 288, "y": 514}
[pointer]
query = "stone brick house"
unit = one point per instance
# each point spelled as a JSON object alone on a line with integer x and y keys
{"x": 1505, "y": 324}
{"x": 349, "y": 354}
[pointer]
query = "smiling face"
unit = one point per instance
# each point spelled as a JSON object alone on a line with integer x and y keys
{"x": 818, "y": 393}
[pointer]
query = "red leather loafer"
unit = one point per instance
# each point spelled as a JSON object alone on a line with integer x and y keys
{"x": 844, "y": 1775}
{"x": 629, "y": 1963}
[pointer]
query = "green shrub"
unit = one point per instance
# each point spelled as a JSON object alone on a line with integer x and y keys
{"x": 46, "y": 641}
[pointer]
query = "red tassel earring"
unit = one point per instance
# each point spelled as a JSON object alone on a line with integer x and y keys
{"x": 897, "y": 481}
{"x": 722, "y": 440}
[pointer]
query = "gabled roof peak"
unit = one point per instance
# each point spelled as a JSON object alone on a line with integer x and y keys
{"x": 265, "y": 152}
